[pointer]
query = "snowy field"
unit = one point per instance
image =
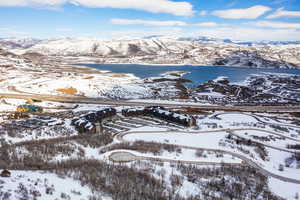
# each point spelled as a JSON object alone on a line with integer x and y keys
{"x": 206, "y": 156}
{"x": 269, "y": 139}
{"x": 213, "y": 140}
{"x": 283, "y": 189}
{"x": 37, "y": 185}
{"x": 236, "y": 117}
{"x": 209, "y": 140}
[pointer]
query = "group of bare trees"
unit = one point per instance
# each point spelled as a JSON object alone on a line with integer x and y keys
{"x": 228, "y": 182}
{"x": 36, "y": 154}
{"x": 143, "y": 147}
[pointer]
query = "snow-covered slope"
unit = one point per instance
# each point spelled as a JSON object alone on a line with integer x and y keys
{"x": 49, "y": 77}
{"x": 19, "y": 42}
{"x": 163, "y": 50}
{"x": 94, "y": 46}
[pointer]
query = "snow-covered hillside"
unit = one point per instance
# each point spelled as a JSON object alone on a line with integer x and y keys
{"x": 125, "y": 47}
{"x": 163, "y": 50}
{"x": 19, "y": 42}
{"x": 48, "y": 76}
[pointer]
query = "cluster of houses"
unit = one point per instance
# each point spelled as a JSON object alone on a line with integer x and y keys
{"x": 90, "y": 123}
{"x": 134, "y": 112}
{"x": 161, "y": 113}
{"x": 29, "y": 108}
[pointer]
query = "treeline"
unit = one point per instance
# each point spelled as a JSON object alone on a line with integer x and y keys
{"x": 37, "y": 153}
{"x": 119, "y": 181}
{"x": 143, "y": 147}
{"x": 293, "y": 146}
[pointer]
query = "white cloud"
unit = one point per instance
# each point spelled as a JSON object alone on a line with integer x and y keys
{"x": 147, "y": 22}
{"x": 207, "y": 24}
{"x": 247, "y": 13}
{"x": 249, "y": 34}
{"x": 13, "y": 3}
{"x": 161, "y": 23}
{"x": 284, "y": 13}
{"x": 203, "y": 12}
{"x": 31, "y": 2}
{"x": 272, "y": 24}
{"x": 155, "y": 6}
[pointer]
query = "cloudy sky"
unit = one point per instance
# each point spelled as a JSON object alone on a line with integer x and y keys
{"x": 233, "y": 19}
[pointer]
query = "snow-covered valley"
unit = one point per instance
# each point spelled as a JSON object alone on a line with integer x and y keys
{"x": 73, "y": 132}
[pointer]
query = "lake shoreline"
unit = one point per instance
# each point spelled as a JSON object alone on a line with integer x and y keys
{"x": 193, "y": 73}
{"x": 180, "y": 65}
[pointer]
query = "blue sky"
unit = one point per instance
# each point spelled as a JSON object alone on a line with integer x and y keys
{"x": 233, "y": 19}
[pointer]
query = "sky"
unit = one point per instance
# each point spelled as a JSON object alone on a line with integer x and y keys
{"x": 251, "y": 20}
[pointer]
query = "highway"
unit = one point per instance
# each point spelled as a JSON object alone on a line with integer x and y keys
{"x": 87, "y": 100}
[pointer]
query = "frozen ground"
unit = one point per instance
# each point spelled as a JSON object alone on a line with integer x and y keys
{"x": 37, "y": 185}
{"x": 236, "y": 117}
{"x": 56, "y": 78}
{"x": 215, "y": 140}
{"x": 283, "y": 189}
{"x": 209, "y": 140}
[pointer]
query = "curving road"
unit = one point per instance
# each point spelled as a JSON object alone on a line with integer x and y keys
{"x": 265, "y": 172}
{"x": 120, "y": 136}
{"x": 126, "y": 156}
{"x": 256, "y": 117}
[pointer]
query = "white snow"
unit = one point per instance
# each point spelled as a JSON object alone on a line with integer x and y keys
{"x": 284, "y": 189}
{"x": 238, "y": 118}
{"x": 39, "y": 181}
{"x": 205, "y": 140}
{"x": 166, "y": 50}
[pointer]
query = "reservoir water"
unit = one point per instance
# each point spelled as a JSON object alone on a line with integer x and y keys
{"x": 196, "y": 73}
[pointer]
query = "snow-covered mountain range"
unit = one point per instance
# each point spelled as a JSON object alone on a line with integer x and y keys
{"x": 19, "y": 42}
{"x": 164, "y": 50}
{"x": 204, "y": 39}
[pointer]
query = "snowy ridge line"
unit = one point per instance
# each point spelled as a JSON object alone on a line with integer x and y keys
{"x": 163, "y": 50}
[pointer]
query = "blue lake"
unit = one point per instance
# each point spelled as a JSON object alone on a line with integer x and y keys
{"x": 197, "y": 73}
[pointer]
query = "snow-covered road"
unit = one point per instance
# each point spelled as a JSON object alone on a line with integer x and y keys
{"x": 191, "y": 140}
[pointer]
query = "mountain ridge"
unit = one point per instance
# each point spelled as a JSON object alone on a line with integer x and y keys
{"x": 163, "y": 50}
